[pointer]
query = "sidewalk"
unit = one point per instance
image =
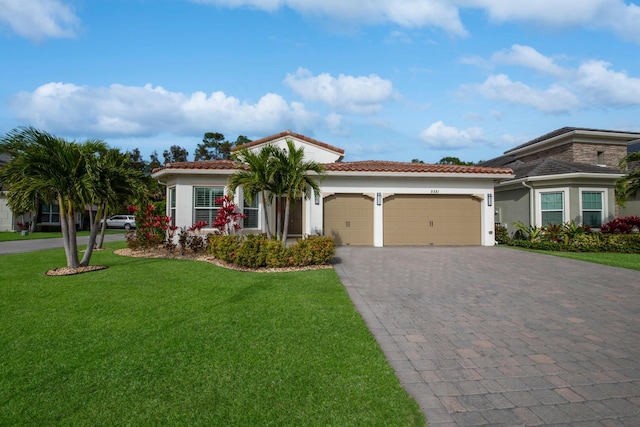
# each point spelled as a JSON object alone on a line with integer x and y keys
{"x": 20, "y": 246}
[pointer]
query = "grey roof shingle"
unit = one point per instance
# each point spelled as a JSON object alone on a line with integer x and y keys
{"x": 559, "y": 132}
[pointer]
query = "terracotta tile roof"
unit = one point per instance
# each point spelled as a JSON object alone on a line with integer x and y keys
{"x": 292, "y": 134}
{"x": 362, "y": 166}
{"x": 203, "y": 164}
{"x": 407, "y": 167}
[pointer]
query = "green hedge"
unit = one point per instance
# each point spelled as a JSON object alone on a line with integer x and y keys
{"x": 592, "y": 242}
{"x": 256, "y": 250}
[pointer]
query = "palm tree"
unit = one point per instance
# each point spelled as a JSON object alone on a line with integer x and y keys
{"x": 115, "y": 182}
{"x": 628, "y": 185}
{"x": 50, "y": 169}
{"x": 255, "y": 176}
{"x": 292, "y": 177}
{"x": 46, "y": 168}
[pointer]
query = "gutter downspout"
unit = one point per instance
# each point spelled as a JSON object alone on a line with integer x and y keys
{"x": 531, "y": 204}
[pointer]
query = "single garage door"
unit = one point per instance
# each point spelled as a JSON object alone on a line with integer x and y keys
{"x": 432, "y": 220}
{"x": 348, "y": 218}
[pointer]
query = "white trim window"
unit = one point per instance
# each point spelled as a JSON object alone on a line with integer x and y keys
{"x": 592, "y": 206}
{"x": 49, "y": 214}
{"x": 551, "y": 206}
{"x": 205, "y": 207}
{"x": 251, "y": 211}
{"x": 172, "y": 205}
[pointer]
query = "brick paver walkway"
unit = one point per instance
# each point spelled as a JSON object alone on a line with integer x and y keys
{"x": 482, "y": 335}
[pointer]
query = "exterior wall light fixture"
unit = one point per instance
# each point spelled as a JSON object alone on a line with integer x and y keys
{"x": 378, "y": 199}
{"x": 489, "y": 199}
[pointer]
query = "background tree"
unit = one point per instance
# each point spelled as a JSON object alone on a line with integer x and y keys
{"x": 154, "y": 162}
{"x": 214, "y": 146}
{"x": 453, "y": 161}
{"x": 175, "y": 154}
{"x": 209, "y": 149}
{"x": 417, "y": 161}
{"x": 628, "y": 185}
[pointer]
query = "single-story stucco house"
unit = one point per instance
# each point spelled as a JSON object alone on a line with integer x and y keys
{"x": 370, "y": 203}
{"x": 563, "y": 176}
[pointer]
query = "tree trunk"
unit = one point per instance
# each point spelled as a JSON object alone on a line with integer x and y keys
{"x": 285, "y": 226}
{"x": 266, "y": 214}
{"x": 93, "y": 226}
{"x": 68, "y": 228}
{"x": 103, "y": 228}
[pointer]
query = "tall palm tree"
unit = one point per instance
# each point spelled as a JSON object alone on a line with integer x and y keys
{"x": 115, "y": 182}
{"x": 293, "y": 177}
{"x": 255, "y": 176}
{"x": 46, "y": 168}
{"x": 628, "y": 185}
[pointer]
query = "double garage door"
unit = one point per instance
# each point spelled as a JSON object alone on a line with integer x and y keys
{"x": 407, "y": 219}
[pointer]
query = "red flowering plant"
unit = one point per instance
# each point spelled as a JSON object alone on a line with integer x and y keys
{"x": 228, "y": 220}
{"x": 152, "y": 229}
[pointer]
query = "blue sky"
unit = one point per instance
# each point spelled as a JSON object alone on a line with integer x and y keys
{"x": 382, "y": 79}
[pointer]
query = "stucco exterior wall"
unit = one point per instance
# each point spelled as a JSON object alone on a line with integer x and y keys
{"x": 311, "y": 152}
{"x": 511, "y": 206}
{"x": 7, "y": 221}
{"x": 632, "y": 208}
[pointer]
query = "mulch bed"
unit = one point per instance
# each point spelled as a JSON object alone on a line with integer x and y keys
{"x": 66, "y": 271}
{"x": 161, "y": 253}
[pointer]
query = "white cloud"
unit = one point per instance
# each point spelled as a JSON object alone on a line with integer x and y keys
{"x": 39, "y": 19}
{"x": 361, "y": 95}
{"x": 611, "y": 15}
{"x": 440, "y": 136}
{"x": 591, "y": 84}
{"x": 120, "y": 110}
{"x": 407, "y": 13}
{"x": 528, "y": 57}
{"x": 555, "y": 99}
{"x": 605, "y": 86}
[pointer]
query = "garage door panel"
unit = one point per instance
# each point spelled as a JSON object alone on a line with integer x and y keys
{"x": 432, "y": 220}
{"x": 348, "y": 218}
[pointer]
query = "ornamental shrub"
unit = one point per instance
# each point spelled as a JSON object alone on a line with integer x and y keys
{"x": 252, "y": 252}
{"x": 257, "y": 250}
{"x": 151, "y": 228}
{"x": 623, "y": 225}
{"x": 278, "y": 255}
{"x": 502, "y": 235}
{"x": 224, "y": 247}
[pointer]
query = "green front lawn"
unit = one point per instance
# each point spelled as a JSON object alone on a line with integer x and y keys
{"x": 176, "y": 342}
{"x": 631, "y": 261}
{"x": 8, "y": 236}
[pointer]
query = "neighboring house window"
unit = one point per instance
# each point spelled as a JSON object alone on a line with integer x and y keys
{"x": 601, "y": 158}
{"x": 592, "y": 208}
{"x": 205, "y": 207}
{"x": 49, "y": 214}
{"x": 552, "y": 207}
{"x": 172, "y": 205}
{"x": 251, "y": 211}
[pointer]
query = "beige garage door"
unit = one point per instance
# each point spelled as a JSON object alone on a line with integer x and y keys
{"x": 348, "y": 218}
{"x": 432, "y": 220}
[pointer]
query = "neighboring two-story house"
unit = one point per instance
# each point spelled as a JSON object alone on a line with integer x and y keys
{"x": 566, "y": 175}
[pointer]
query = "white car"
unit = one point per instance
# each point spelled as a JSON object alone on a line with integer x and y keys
{"x": 121, "y": 221}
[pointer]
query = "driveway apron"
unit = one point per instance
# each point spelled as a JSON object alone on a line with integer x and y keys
{"x": 492, "y": 335}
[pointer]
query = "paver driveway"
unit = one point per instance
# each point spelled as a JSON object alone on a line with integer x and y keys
{"x": 483, "y": 335}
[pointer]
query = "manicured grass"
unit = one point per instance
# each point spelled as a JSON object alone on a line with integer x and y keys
{"x": 175, "y": 342}
{"x": 8, "y": 236}
{"x": 631, "y": 261}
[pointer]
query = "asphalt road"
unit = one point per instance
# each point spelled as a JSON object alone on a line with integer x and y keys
{"x": 20, "y": 246}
